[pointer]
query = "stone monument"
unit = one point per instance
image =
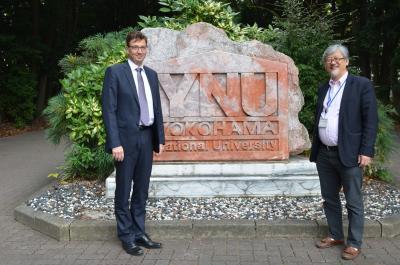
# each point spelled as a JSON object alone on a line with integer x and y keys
{"x": 230, "y": 115}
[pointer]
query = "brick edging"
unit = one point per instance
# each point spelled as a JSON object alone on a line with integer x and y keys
{"x": 87, "y": 230}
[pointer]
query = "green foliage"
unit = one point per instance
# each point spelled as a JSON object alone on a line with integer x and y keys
{"x": 186, "y": 12}
{"x": 384, "y": 144}
{"x": 17, "y": 83}
{"x": 310, "y": 80}
{"x": 97, "y": 49}
{"x": 82, "y": 91}
{"x": 303, "y": 35}
{"x": 305, "y": 32}
{"x": 82, "y": 162}
{"x": 55, "y": 115}
{"x": 76, "y": 112}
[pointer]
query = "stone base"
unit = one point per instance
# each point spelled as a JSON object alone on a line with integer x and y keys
{"x": 296, "y": 177}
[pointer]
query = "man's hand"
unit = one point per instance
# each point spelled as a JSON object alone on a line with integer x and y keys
{"x": 118, "y": 153}
{"x": 161, "y": 150}
{"x": 364, "y": 160}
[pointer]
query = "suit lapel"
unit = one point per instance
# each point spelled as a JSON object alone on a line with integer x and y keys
{"x": 129, "y": 76}
{"x": 346, "y": 95}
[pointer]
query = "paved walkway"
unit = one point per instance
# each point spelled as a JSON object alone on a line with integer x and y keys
{"x": 26, "y": 160}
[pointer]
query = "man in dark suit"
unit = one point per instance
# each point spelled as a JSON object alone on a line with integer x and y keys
{"x": 134, "y": 129}
{"x": 344, "y": 136}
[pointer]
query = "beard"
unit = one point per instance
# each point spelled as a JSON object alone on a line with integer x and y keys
{"x": 335, "y": 73}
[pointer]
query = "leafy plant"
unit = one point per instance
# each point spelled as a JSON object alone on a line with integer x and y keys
{"x": 186, "y": 12}
{"x": 303, "y": 34}
{"x": 384, "y": 144}
{"x": 76, "y": 112}
{"x": 82, "y": 162}
{"x": 55, "y": 115}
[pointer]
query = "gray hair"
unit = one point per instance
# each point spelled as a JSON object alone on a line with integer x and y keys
{"x": 333, "y": 48}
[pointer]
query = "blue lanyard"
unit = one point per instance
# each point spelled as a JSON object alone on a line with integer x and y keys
{"x": 330, "y": 100}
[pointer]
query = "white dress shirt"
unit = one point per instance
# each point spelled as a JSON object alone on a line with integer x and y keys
{"x": 329, "y": 134}
{"x": 147, "y": 89}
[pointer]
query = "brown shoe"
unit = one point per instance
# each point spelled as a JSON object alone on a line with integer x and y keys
{"x": 328, "y": 242}
{"x": 350, "y": 253}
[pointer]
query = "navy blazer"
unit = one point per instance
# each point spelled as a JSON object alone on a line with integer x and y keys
{"x": 358, "y": 120}
{"x": 121, "y": 110}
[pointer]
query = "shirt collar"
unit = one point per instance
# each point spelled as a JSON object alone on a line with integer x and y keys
{"x": 340, "y": 81}
{"x": 133, "y": 66}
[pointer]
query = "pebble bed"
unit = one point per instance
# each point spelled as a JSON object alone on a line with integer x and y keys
{"x": 86, "y": 200}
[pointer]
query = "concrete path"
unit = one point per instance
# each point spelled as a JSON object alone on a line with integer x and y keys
{"x": 25, "y": 162}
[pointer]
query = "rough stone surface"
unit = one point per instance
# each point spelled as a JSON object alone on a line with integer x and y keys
{"x": 225, "y": 100}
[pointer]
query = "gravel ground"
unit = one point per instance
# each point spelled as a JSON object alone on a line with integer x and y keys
{"x": 86, "y": 200}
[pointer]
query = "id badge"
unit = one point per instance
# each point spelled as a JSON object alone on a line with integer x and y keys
{"x": 323, "y": 123}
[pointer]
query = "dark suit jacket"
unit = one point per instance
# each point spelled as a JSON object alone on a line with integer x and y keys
{"x": 358, "y": 120}
{"x": 121, "y": 111}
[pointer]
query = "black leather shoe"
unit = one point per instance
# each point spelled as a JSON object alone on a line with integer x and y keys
{"x": 145, "y": 241}
{"x": 132, "y": 248}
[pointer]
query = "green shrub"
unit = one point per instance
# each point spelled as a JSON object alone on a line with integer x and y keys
{"x": 82, "y": 162}
{"x": 310, "y": 79}
{"x": 76, "y": 112}
{"x": 82, "y": 91}
{"x": 186, "y": 12}
{"x": 55, "y": 115}
{"x": 384, "y": 144}
{"x": 304, "y": 34}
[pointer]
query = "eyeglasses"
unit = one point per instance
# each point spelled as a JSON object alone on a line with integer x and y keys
{"x": 334, "y": 59}
{"x": 137, "y": 48}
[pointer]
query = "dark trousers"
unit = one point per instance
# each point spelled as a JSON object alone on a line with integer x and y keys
{"x": 136, "y": 169}
{"x": 333, "y": 175}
